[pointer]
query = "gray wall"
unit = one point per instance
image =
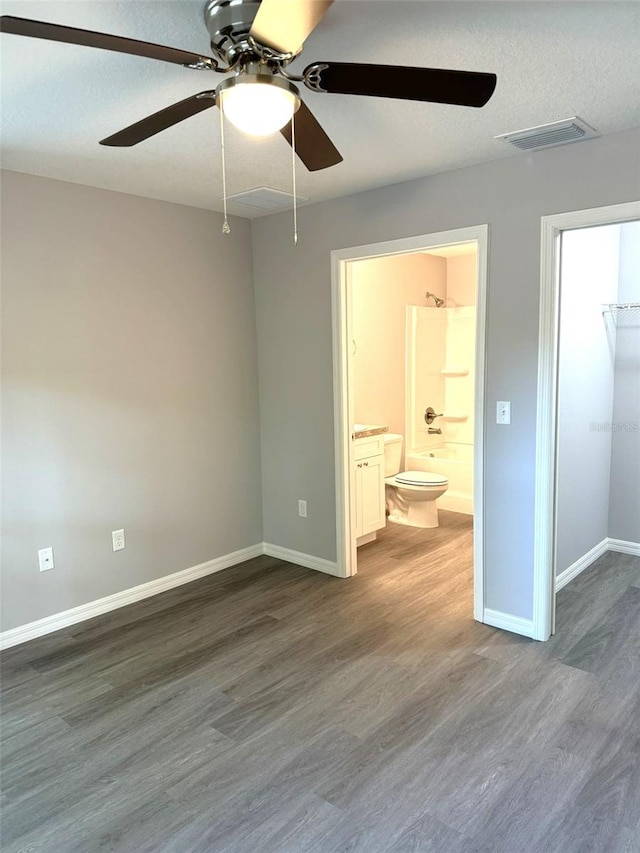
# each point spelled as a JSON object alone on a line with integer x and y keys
{"x": 586, "y": 354}
{"x": 624, "y": 504}
{"x": 129, "y": 392}
{"x": 293, "y": 302}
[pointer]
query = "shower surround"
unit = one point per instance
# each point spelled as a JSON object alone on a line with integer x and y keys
{"x": 440, "y": 370}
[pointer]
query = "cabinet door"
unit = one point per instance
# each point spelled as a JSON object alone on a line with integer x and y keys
{"x": 371, "y": 512}
{"x": 358, "y": 529}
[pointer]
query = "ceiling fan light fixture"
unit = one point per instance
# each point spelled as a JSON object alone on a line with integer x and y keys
{"x": 258, "y": 104}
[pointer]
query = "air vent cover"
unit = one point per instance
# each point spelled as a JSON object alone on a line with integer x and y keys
{"x": 547, "y": 135}
{"x": 266, "y": 198}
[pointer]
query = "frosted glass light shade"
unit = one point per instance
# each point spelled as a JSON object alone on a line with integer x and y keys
{"x": 258, "y": 107}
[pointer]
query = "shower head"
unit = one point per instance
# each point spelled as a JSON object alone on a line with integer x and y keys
{"x": 439, "y": 302}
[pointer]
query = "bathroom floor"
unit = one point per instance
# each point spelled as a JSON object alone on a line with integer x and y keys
{"x": 439, "y": 551}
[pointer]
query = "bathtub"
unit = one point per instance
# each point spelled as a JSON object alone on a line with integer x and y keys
{"x": 455, "y": 462}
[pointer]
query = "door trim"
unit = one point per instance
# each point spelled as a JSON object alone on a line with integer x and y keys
{"x": 341, "y": 261}
{"x": 544, "y": 568}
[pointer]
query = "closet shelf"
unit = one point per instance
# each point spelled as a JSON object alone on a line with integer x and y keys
{"x": 630, "y": 311}
{"x": 454, "y": 371}
{"x": 614, "y": 307}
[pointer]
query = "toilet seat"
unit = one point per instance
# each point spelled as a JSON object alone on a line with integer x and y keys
{"x": 420, "y": 478}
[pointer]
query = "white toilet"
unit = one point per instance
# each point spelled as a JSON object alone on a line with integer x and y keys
{"x": 410, "y": 495}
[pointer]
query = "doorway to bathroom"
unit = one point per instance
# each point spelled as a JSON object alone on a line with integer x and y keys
{"x": 409, "y": 367}
{"x": 587, "y": 461}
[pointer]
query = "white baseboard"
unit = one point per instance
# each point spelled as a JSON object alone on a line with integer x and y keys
{"x": 624, "y": 547}
{"x": 515, "y": 624}
{"x": 49, "y": 624}
{"x": 581, "y": 564}
{"x": 300, "y": 559}
{"x": 621, "y": 546}
{"x": 495, "y": 618}
{"x": 31, "y": 630}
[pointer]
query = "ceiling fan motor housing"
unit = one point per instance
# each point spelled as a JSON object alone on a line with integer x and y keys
{"x": 229, "y": 23}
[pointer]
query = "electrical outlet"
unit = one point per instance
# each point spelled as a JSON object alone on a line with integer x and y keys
{"x": 45, "y": 559}
{"x": 503, "y": 412}
{"x": 302, "y": 509}
{"x": 117, "y": 537}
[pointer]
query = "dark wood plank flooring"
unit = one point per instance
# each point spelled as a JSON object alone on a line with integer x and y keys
{"x": 272, "y": 708}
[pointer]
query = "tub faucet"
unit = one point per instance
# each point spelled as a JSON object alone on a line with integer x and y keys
{"x": 434, "y": 431}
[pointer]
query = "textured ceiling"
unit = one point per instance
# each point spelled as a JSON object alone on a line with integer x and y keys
{"x": 553, "y": 60}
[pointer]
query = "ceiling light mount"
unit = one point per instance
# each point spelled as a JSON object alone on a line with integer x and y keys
{"x": 229, "y": 24}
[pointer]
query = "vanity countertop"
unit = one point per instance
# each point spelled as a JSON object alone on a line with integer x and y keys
{"x": 367, "y": 430}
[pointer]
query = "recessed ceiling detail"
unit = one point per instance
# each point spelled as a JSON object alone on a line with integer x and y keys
{"x": 266, "y": 199}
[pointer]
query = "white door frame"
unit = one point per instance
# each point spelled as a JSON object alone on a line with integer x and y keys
{"x": 544, "y": 569}
{"x": 343, "y": 398}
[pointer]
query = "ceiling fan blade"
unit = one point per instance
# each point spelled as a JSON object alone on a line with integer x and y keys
{"x": 313, "y": 146}
{"x": 284, "y": 24}
{"x": 465, "y": 88}
{"x": 87, "y": 38}
{"x": 153, "y": 124}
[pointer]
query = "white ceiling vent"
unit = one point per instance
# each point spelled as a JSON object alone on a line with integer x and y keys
{"x": 266, "y": 198}
{"x": 546, "y": 135}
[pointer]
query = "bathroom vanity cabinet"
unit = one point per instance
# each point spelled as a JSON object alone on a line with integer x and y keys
{"x": 369, "y": 485}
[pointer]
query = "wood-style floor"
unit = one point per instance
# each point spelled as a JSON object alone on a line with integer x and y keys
{"x": 272, "y": 709}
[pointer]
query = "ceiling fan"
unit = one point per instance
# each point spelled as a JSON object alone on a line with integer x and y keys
{"x": 255, "y": 41}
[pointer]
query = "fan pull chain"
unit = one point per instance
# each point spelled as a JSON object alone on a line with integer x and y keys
{"x": 293, "y": 175}
{"x": 226, "y": 228}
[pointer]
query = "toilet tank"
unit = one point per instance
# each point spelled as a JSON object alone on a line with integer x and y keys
{"x": 392, "y": 453}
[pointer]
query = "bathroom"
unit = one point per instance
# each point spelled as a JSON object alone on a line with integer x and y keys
{"x": 413, "y": 365}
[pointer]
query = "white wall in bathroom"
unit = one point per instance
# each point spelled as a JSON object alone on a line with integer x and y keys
{"x": 381, "y": 290}
{"x": 589, "y": 277}
{"x": 462, "y": 275}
